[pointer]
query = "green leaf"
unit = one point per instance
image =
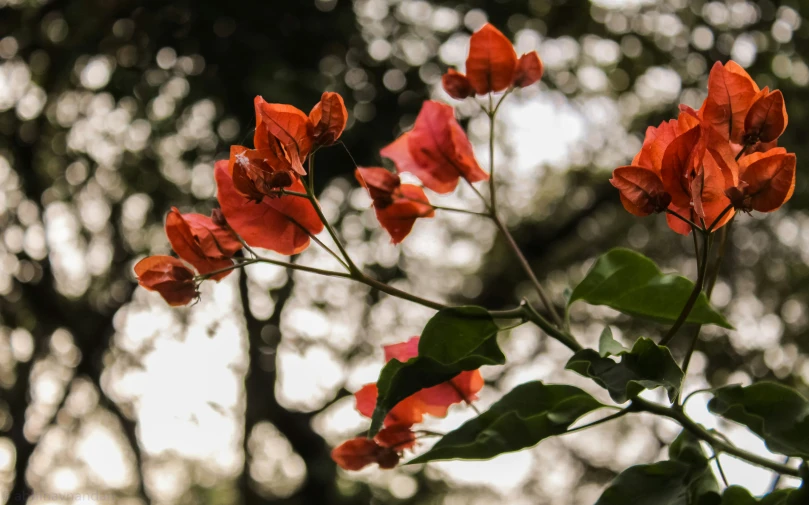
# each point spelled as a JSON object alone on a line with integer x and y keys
{"x": 686, "y": 479}
{"x": 607, "y": 345}
{"x": 631, "y": 283}
{"x": 455, "y": 340}
{"x": 736, "y": 495}
{"x": 787, "y": 497}
{"x": 646, "y": 366}
{"x": 776, "y": 413}
{"x": 528, "y": 414}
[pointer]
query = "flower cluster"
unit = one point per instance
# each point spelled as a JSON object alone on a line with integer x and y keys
{"x": 706, "y": 164}
{"x": 387, "y": 446}
{"x": 263, "y": 196}
{"x": 492, "y": 65}
{"x": 260, "y": 197}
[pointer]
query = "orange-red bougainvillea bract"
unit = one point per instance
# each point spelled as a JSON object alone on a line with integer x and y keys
{"x": 386, "y": 447}
{"x": 709, "y": 163}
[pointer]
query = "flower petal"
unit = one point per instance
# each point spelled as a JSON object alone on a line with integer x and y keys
{"x": 767, "y": 118}
{"x": 457, "y": 85}
{"x": 398, "y": 218}
{"x": 529, "y": 70}
{"x": 492, "y": 61}
{"x": 329, "y": 117}
{"x": 168, "y": 276}
{"x": 641, "y": 189}
{"x": 199, "y": 250}
{"x": 730, "y": 93}
{"x": 290, "y": 126}
{"x": 436, "y": 150}
{"x": 274, "y": 224}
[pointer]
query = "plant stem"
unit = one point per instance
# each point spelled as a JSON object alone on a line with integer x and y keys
{"x": 398, "y": 293}
{"x": 492, "y": 207}
{"x": 719, "y": 217}
{"x": 535, "y": 317}
{"x": 715, "y": 457}
{"x": 777, "y": 479}
{"x": 684, "y": 219}
{"x": 692, "y": 299}
{"x": 284, "y": 192}
{"x": 709, "y": 285}
{"x": 310, "y": 192}
{"x": 603, "y": 420}
{"x": 717, "y": 444}
{"x": 698, "y": 391}
{"x": 492, "y": 189}
{"x": 528, "y": 271}
{"x": 462, "y": 211}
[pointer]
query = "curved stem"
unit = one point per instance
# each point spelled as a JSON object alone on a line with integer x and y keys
{"x": 492, "y": 207}
{"x": 697, "y": 392}
{"x": 310, "y": 192}
{"x": 462, "y": 211}
{"x": 715, "y": 457}
{"x": 528, "y": 271}
{"x": 716, "y": 443}
{"x": 603, "y": 420}
{"x": 719, "y": 217}
{"x": 398, "y": 293}
{"x": 692, "y": 299}
{"x": 535, "y": 317}
{"x": 684, "y": 219}
{"x": 492, "y": 189}
{"x": 709, "y": 285}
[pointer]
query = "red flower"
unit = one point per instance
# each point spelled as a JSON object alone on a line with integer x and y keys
{"x": 281, "y": 224}
{"x": 384, "y": 449}
{"x": 457, "y": 85}
{"x": 196, "y": 239}
{"x": 740, "y": 112}
{"x": 529, "y": 70}
{"x": 642, "y": 191}
{"x": 329, "y": 117}
{"x": 767, "y": 181}
{"x": 492, "y": 65}
{"x": 397, "y": 205}
{"x": 731, "y": 91}
{"x": 767, "y": 118}
{"x": 697, "y": 167}
{"x": 434, "y": 401}
{"x": 168, "y": 276}
{"x": 436, "y": 150}
{"x": 259, "y": 173}
{"x": 689, "y": 166}
{"x": 285, "y": 126}
{"x": 397, "y": 436}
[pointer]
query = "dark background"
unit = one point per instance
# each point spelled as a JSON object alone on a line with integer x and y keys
{"x": 289, "y": 52}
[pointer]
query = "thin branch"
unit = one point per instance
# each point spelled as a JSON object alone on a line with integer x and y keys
{"x": 492, "y": 189}
{"x": 715, "y": 458}
{"x": 528, "y": 271}
{"x": 310, "y": 191}
{"x": 719, "y": 217}
{"x": 462, "y": 211}
{"x": 777, "y": 479}
{"x": 716, "y": 443}
{"x": 692, "y": 299}
{"x": 611, "y": 417}
{"x": 697, "y": 392}
{"x": 684, "y": 219}
{"x": 535, "y": 317}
